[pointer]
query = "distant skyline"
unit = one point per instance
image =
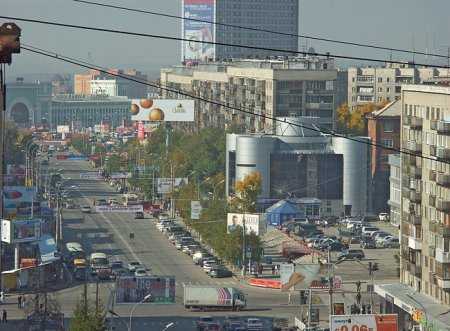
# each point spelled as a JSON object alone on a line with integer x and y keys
{"x": 398, "y": 24}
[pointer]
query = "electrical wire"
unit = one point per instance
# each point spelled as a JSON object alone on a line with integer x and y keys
{"x": 328, "y": 55}
{"x": 260, "y": 30}
{"x": 218, "y": 103}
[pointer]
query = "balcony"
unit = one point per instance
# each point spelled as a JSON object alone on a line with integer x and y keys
{"x": 441, "y": 256}
{"x": 433, "y": 226}
{"x": 443, "y": 283}
{"x": 432, "y": 200}
{"x": 443, "y": 179}
{"x": 413, "y": 146}
{"x": 415, "y": 219}
{"x": 415, "y": 196}
{"x": 443, "y": 153}
{"x": 416, "y": 270}
{"x": 416, "y": 122}
{"x": 432, "y": 175}
{"x": 442, "y": 230}
{"x": 415, "y": 171}
{"x": 432, "y": 251}
{"x": 443, "y": 127}
{"x": 432, "y": 278}
{"x": 443, "y": 205}
{"x": 415, "y": 243}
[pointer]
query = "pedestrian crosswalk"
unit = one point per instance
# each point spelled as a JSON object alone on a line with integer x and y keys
{"x": 227, "y": 282}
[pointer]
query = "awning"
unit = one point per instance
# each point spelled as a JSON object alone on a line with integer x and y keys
{"x": 47, "y": 248}
{"x": 405, "y": 297}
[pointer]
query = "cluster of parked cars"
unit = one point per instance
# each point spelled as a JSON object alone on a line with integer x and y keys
{"x": 234, "y": 323}
{"x": 183, "y": 241}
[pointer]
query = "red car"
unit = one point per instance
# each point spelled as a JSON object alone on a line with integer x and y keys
{"x": 212, "y": 327}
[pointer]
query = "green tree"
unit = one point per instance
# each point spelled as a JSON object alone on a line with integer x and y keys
{"x": 86, "y": 317}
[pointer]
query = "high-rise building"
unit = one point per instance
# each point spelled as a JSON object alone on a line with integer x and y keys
{"x": 425, "y": 209}
{"x": 221, "y": 21}
{"x": 273, "y": 88}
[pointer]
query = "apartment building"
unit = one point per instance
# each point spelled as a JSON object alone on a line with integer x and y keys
{"x": 383, "y": 127}
{"x": 254, "y": 92}
{"x": 376, "y": 84}
{"x": 112, "y": 83}
{"x": 425, "y": 208}
{"x": 220, "y": 22}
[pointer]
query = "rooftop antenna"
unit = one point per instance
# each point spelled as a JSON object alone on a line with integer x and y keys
{"x": 414, "y": 48}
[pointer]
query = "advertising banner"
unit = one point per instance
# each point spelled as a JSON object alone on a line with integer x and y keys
{"x": 174, "y": 110}
{"x": 119, "y": 175}
{"x": 13, "y": 198}
{"x": 195, "y": 33}
{"x": 119, "y": 209}
{"x": 91, "y": 175}
{"x": 131, "y": 290}
{"x": 196, "y": 209}
{"x": 17, "y": 231}
{"x": 379, "y": 322}
{"x": 164, "y": 185}
{"x": 297, "y": 277}
{"x": 63, "y": 128}
{"x": 253, "y": 222}
{"x": 15, "y": 175}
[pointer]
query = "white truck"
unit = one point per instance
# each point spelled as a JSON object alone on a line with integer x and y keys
{"x": 214, "y": 297}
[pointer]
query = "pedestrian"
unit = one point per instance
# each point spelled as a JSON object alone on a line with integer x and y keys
{"x": 19, "y": 301}
{"x": 363, "y": 308}
{"x": 273, "y": 269}
{"x": 23, "y": 300}
{"x": 5, "y": 315}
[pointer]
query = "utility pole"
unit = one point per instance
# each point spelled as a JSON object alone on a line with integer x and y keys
{"x": 243, "y": 246}
{"x": 330, "y": 281}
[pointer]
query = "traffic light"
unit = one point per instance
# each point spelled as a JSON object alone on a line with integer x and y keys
{"x": 302, "y": 297}
{"x": 9, "y": 41}
{"x": 358, "y": 286}
{"x": 370, "y": 268}
{"x": 375, "y": 267}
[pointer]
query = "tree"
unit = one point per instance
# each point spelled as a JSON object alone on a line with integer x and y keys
{"x": 246, "y": 192}
{"x": 353, "y": 122}
{"x": 86, "y": 317}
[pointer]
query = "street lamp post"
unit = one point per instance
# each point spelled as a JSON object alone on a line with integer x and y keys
{"x": 153, "y": 178}
{"x": 134, "y": 307}
{"x": 30, "y": 173}
{"x": 46, "y": 176}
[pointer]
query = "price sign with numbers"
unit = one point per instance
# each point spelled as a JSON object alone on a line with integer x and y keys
{"x": 384, "y": 322}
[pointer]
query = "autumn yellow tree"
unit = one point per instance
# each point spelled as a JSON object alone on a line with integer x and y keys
{"x": 246, "y": 192}
{"x": 353, "y": 122}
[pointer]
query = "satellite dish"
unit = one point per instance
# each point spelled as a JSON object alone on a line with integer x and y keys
{"x": 311, "y": 51}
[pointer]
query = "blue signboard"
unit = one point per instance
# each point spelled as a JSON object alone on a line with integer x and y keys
{"x": 196, "y": 32}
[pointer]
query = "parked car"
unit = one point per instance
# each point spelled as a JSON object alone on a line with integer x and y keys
{"x": 101, "y": 202}
{"x": 139, "y": 215}
{"x": 278, "y": 323}
{"x": 230, "y": 322}
{"x": 391, "y": 243}
{"x": 367, "y": 242}
{"x": 220, "y": 273}
{"x": 351, "y": 253}
{"x": 387, "y": 238}
{"x": 380, "y": 237}
{"x": 368, "y": 230}
{"x": 212, "y": 327}
{"x": 253, "y": 324}
{"x": 202, "y": 321}
{"x": 140, "y": 272}
{"x": 208, "y": 265}
{"x": 331, "y": 245}
{"x": 86, "y": 209}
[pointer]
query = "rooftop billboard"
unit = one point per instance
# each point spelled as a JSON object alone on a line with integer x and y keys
{"x": 174, "y": 110}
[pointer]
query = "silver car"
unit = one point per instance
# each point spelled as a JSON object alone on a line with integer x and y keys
{"x": 391, "y": 243}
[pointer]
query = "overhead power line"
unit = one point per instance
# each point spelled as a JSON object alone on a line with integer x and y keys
{"x": 212, "y": 43}
{"x": 305, "y": 126}
{"x": 348, "y": 43}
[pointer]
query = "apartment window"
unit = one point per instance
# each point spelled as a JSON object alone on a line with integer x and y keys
{"x": 380, "y": 79}
{"x": 388, "y": 127}
{"x": 387, "y": 143}
{"x": 380, "y": 90}
{"x": 388, "y": 79}
{"x": 388, "y": 89}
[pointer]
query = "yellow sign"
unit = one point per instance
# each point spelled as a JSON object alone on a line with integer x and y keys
{"x": 315, "y": 300}
{"x": 416, "y": 315}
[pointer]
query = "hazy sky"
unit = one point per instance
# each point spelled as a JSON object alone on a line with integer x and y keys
{"x": 387, "y": 23}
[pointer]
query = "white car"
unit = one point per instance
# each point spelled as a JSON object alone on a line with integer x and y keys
{"x": 208, "y": 265}
{"x": 140, "y": 272}
{"x": 134, "y": 265}
{"x": 253, "y": 324}
{"x": 86, "y": 209}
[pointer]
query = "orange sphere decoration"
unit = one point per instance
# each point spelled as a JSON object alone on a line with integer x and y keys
{"x": 134, "y": 109}
{"x": 146, "y": 103}
{"x": 156, "y": 114}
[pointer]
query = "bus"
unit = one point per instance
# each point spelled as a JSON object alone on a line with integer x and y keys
{"x": 98, "y": 261}
{"x": 75, "y": 251}
{"x": 130, "y": 199}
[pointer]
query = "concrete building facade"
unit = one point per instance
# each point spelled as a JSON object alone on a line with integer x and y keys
{"x": 383, "y": 127}
{"x": 376, "y": 84}
{"x": 254, "y": 92}
{"x": 298, "y": 161}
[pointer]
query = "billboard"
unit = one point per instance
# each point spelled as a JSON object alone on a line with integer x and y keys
{"x": 253, "y": 222}
{"x": 15, "y": 175}
{"x": 196, "y": 209}
{"x": 379, "y": 322}
{"x": 304, "y": 276}
{"x": 14, "y": 198}
{"x": 119, "y": 209}
{"x": 164, "y": 185}
{"x": 174, "y": 110}
{"x": 91, "y": 175}
{"x": 63, "y": 128}
{"x": 131, "y": 290}
{"x": 195, "y": 33}
{"x": 17, "y": 231}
